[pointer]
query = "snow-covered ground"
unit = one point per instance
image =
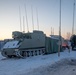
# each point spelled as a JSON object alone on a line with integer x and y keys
{"x": 28, "y": 66}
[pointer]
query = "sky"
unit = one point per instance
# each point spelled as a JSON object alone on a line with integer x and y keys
{"x": 48, "y": 16}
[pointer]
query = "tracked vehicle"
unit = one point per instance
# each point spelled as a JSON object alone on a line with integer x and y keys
{"x": 25, "y": 44}
{"x": 29, "y": 44}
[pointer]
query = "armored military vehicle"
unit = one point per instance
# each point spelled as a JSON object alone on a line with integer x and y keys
{"x": 25, "y": 44}
{"x": 29, "y": 44}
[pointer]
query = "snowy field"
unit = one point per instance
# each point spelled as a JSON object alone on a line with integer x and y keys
{"x": 39, "y": 65}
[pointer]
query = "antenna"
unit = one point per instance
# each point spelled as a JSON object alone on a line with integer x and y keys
{"x": 20, "y": 18}
{"x": 59, "y": 31}
{"x": 26, "y": 18}
{"x": 23, "y": 24}
{"x": 37, "y": 19}
{"x": 32, "y": 17}
{"x": 73, "y": 17}
{"x": 51, "y": 30}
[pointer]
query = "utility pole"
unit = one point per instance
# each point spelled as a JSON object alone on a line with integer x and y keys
{"x": 60, "y": 43}
{"x": 73, "y": 17}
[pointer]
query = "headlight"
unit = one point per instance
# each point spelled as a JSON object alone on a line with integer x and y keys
{"x": 16, "y": 49}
